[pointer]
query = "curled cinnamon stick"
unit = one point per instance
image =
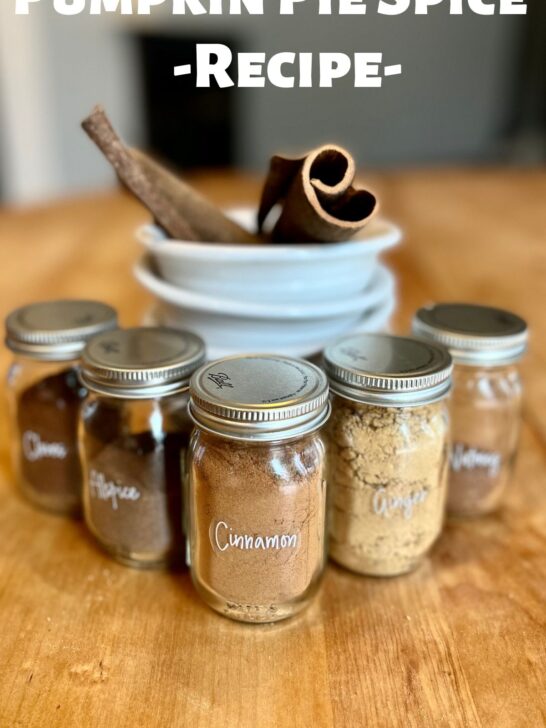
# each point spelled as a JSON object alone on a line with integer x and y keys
{"x": 177, "y": 207}
{"x": 319, "y": 201}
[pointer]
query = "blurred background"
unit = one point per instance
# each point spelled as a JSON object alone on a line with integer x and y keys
{"x": 473, "y": 91}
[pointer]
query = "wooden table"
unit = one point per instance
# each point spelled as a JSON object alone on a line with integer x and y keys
{"x": 85, "y": 642}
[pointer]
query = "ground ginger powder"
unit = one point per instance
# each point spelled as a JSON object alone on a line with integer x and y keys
{"x": 388, "y": 470}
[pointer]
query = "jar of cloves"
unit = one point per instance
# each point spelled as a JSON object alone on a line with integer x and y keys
{"x": 388, "y": 451}
{"x": 134, "y": 433}
{"x": 257, "y": 487}
{"x": 45, "y": 395}
{"x": 486, "y": 345}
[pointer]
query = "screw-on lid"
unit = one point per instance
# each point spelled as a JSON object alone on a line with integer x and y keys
{"x": 385, "y": 370}
{"x": 142, "y": 362}
{"x": 259, "y": 397}
{"x": 57, "y": 330}
{"x": 474, "y": 334}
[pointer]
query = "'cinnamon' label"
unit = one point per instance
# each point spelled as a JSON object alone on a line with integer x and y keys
{"x": 223, "y": 537}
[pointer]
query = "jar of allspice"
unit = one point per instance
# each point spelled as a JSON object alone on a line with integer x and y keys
{"x": 134, "y": 432}
{"x": 257, "y": 485}
{"x": 486, "y": 345}
{"x": 45, "y": 394}
{"x": 388, "y": 451}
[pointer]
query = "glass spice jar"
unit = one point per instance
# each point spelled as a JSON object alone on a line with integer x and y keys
{"x": 388, "y": 451}
{"x": 134, "y": 433}
{"x": 45, "y": 394}
{"x": 257, "y": 485}
{"x": 486, "y": 345}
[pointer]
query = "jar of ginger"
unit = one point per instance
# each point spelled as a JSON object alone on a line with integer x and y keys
{"x": 257, "y": 486}
{"x": 486, "y": 345}
{"x": 388, "y": 451}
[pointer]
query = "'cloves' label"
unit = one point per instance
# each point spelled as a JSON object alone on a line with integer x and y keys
{"x": 34, "y": 448}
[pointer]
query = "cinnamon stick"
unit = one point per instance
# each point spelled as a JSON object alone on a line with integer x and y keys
{"x": 319, "y": 200}
{"x": 177, "y": 207}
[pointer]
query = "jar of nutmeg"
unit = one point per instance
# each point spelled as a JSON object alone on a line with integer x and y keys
{"x": 388, "y": 451}
{"x": 486, "y": 345}
{"x": 135, "y": 430}
{"x": 45, "y": 396}
{"x": 257, "y": 485}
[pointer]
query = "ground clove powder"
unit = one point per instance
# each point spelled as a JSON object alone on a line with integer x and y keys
{"x": 45, "y": 396}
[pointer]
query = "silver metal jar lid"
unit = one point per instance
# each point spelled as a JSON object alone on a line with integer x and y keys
{"x": 57, "y": 330}
{"x": 386, "y": 371}
{"x": 477, "y": 335}
{"x": 259, "y": 397}
{"x": 141, "y": 363}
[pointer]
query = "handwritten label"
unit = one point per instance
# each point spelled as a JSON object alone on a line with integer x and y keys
{"x": 223, "y": 538}
{"x": 34, "y": 448}
{"x": 106, "y": 490}
{"x": 386, "y": 505}
{"x": 470, "y": 458}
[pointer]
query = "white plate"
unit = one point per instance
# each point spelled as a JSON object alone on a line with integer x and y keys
{"x": 254, "y": 339}
{"x": 380, "y": 288}
{"x": 294, "y": 272}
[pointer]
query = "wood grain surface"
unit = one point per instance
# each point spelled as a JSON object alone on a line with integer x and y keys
{"x": 461, "y": 642}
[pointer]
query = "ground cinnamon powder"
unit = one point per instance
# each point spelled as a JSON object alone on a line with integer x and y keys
{"x": 387, "y": 478}
{"x": 259, "y": 510}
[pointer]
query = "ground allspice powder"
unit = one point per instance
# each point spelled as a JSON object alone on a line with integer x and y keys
{"x": 388, "y": 471}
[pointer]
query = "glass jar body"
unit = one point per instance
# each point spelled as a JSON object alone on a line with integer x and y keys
{"x": 44, "y": 401}
{"x": 133, "y": 453}
{"x": 387, "y": 483}
{"x": 257, "y": 524}
{"x": 486, "y": 418}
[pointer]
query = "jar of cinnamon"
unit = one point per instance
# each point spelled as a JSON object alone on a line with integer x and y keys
{"x": 388, "y": 450}
{"x": 486, "y": 345}
{"x": 45, "y": 395}
{"x": 135, "y": 431}
{"x": 257, "y": 488}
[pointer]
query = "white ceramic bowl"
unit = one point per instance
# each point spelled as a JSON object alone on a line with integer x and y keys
{"x": 295, "y": 329}
{"x": 380, "y": 287}
{"x": 292, "y": 273}
{"x": 242, "y": 336}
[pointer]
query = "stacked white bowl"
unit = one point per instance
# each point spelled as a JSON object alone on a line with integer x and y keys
{"x": 290, "y": 299}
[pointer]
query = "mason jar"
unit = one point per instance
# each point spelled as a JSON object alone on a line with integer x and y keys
{"x": 388, "y": 451}
{"x": 257, "y": 485}
{"x": 135, "y": 430}
{"x": 44, "y": 396}
{"x": 486, "y": 345}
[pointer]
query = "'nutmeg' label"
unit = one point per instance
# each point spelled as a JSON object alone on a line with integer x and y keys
{"x": 471, "y": 458}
